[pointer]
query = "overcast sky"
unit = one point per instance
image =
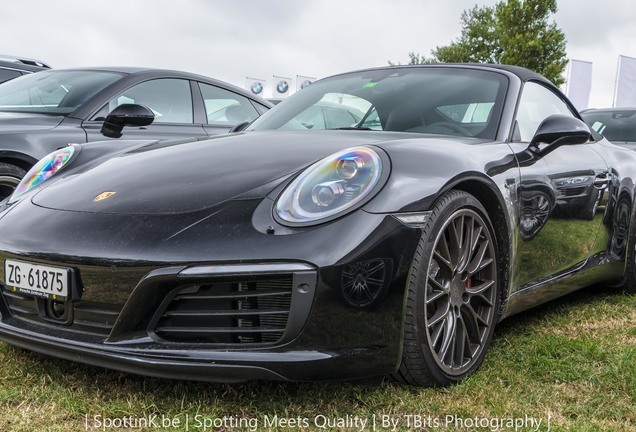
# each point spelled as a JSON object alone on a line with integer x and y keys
{"x": 233, "y": 39}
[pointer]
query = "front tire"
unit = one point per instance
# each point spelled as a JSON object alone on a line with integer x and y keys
{"x": 589, "y": 211}
{"x": 453, "y": 294}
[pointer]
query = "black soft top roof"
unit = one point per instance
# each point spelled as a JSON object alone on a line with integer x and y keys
{"x": 524, "y": 74}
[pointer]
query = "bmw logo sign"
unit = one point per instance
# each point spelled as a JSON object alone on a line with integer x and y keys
{"x": 256, "y": 87}
{"x": 282, "y": 86}
{"x": 304, "y": 84}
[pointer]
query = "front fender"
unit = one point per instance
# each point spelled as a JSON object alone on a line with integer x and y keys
{"x": 419, "y": 175}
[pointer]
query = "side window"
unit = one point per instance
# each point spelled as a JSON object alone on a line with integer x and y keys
{"x": 333, "y": 111}
{"x": 537, "y": 103}
{"x": 312, "y": 118}
{"x": 471, "y": 113}
{"x": 615, "y": 125}
{"x": 7, "y": 74}
{"x": 372, "y": 120}
{"x": 336, "y": 117}
{"x": 169, "y": 99}
{"x": 225, "y": 108}
{"x": 262, "y": 109}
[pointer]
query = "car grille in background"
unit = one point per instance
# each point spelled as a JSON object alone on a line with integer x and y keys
{"x": 88, "y": 317}
{"x": 236, "y": 312}
{"x": 573, "y": 191}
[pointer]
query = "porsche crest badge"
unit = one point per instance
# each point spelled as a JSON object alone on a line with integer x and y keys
{"x": 104, "y": 195}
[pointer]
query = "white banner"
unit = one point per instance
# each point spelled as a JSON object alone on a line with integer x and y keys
{"x": 281, "y": 87}
{"x": 579, "y": 83}
{"x": 303, "y": 81}
{"x": 625, "y": 89}
{"x": 255, "y": 86}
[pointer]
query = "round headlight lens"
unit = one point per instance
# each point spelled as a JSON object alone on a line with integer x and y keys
{"x": 332, "y": 186}
{"x": 348, "y": 167}
{"x": 46, "y": 168}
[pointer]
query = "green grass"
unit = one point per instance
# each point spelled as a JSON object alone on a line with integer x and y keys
{"x": 573, "y": 361}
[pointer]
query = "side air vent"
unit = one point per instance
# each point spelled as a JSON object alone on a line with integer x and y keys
{"x": 236, "y": 312}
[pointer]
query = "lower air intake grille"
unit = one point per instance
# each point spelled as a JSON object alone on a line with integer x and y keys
{"x": 21, "y": 306}
{"x": 572, "y": 191}
{"x": 88, "y": 317}
{"x": 251, "y": 311}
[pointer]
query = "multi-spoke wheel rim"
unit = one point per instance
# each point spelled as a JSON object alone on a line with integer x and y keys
{"x": 461, "y": 290}
{"x": 534, "y": 215}
{"x": 362, "y": 282}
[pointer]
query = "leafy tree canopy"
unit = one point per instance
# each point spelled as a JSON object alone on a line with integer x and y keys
{"x": 515, "y": 32}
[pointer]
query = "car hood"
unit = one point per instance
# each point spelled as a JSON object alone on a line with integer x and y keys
{"x": 169, "y": 178}
{"x": 11, "y": 122}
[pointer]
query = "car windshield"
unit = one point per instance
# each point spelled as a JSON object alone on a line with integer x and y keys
{"x": 53, "y": 92}
{"x": 428, "y": 100}
{"x": 616, "y": 125}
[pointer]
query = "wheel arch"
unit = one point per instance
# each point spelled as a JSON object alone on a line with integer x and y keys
{"x": 417, "y": 362}
{"x": 18, "y": 159}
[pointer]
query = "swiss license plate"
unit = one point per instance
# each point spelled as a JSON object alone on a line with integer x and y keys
{"x": 36, "y": 279}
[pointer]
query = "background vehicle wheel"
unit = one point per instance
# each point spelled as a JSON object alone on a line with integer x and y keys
{"x": 453, "y": 294}
{"x": 535, "y": 211}
{"x": 589, "y": 211}
{"x": 10, "y": 176}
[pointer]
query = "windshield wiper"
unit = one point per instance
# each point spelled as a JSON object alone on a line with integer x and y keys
{"x": 351, "y": 128}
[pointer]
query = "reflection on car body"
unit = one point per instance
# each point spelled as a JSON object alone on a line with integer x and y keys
{"x": 463, "y": 195}
{"x": 577, "y": 194}
{"x": 537, "y": 198}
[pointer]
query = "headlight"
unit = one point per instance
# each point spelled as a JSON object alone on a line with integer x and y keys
{"x": 573, "y": 181}
{"x": 46, "y": 168}
{"x": 331, "y": 187}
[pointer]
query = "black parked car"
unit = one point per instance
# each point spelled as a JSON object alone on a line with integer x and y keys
{"x": 616, "y": 124}
{"x": 42, "y": 112}
{"x": 13, "y": 67}
{"x": 292, "y": 253}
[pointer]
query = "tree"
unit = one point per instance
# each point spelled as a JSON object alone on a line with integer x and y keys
{"x": 535, "y": 43}
{"x": 415, "y": 59}
{"x": 515, "y": 32}
{"x": 478, "y": 42}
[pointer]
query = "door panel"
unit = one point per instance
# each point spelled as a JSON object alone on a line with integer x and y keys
{"x": 560, "y": 215}
{"x": 559, "y": 195}
{"x": 153, "y": 131}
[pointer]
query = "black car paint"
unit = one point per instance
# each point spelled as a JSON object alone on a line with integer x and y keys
{"x": 165, "y": 221}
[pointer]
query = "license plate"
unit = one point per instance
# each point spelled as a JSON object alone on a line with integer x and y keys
{"x": 36, "y": 279}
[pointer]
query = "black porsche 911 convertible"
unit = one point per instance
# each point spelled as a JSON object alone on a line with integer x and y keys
{"x": 388, "y": 246}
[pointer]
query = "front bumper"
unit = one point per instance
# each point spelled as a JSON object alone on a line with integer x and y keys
{"x": 201, "y": 364}
{"x": 133, "y": 316}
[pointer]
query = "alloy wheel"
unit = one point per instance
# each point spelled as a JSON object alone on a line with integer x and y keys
{"x": 461, "y": 290}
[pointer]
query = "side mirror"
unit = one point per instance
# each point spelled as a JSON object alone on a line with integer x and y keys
{"x": 239, "y": 127}
{"x": 558, "y": 129}
{"x": 126, "y": 115}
